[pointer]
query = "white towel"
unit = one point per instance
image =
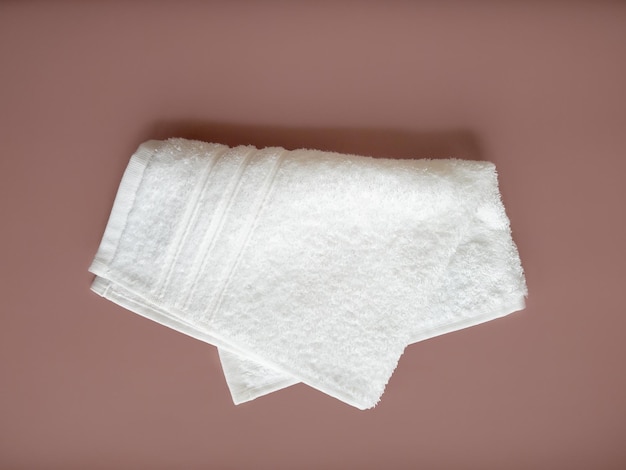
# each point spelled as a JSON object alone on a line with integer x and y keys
{"x": 307, "y": 266}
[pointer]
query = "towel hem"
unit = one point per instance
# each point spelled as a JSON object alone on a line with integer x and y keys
{"x": 123, "y": 204}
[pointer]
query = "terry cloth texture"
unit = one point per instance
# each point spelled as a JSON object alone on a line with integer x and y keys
{"x": 307, "y": 266}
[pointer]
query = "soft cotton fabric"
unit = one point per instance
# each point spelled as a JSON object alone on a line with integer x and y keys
{"x": 307, "y": 266}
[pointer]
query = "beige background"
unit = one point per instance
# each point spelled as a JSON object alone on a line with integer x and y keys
{"x": 536, "y": 87}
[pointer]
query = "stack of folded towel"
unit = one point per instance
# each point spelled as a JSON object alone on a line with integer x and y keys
{"x": 307, "y": 266}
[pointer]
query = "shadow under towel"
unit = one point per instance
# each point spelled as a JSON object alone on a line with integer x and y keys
{"x": 307, "y": 266}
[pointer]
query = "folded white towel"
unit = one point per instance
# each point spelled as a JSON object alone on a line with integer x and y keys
{"x": 306, "y": 265}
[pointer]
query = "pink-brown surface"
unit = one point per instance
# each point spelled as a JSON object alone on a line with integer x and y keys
{"x": 539, "y": 88}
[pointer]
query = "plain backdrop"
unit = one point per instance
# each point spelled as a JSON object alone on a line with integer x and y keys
{"x": 538, "y": 88}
